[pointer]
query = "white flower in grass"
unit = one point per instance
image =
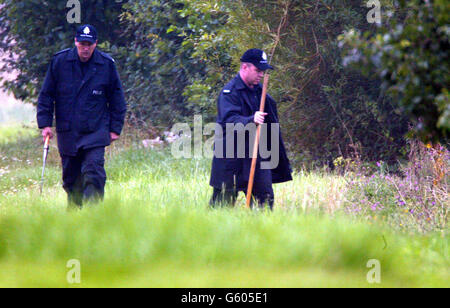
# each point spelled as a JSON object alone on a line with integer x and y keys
{"x": 171, "y": 137}
{"x": 151, "y": 143}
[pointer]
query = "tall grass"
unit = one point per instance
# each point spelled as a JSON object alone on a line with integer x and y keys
{"x": 155, "y": 229}
{"x": 418, "y": 200}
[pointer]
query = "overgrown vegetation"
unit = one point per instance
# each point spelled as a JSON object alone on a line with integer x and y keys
{"x": 155, "y": 229}
{"x": 175, "y": 56}
{"x": 410, "y": 53}
{"x": 32, "y": 31}
{"x": 326, "y": 110}
{"x": 416, "y": 200}
{"x": 379, "y": 195}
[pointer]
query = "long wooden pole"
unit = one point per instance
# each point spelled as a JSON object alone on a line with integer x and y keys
{"x": 283, "y": 21}
{"x": 256, "y": 144}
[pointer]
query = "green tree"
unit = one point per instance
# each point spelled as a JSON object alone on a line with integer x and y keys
{"x": 163, "y": 64}
{"x": 410, "y": 53}
{"x": 327, "y": 109}
{"x": 32, "y": 31}
{"x": 175, "y": 56}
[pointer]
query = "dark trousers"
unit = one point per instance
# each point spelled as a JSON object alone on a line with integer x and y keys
{"x": 84, "y": 176}
{"x": 262, "y": 192}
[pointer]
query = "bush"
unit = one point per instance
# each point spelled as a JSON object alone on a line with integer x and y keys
{"x": 326, "y": 109}
{"x": 161, "y": 63}
{"x": 410, "y": 53}
{"x": 32, "y": 31}
{"x": 417, "y": 201}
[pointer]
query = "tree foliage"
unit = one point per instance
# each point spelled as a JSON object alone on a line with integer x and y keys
{"x": 161, "y": 61}
{"x": 410, "y": 53}
{"x": 32, "y": 31}
{"x": 174, "y": 56}
{"x": 327, "y": 110}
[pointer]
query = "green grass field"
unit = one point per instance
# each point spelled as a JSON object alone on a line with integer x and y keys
{"x": 155, "y": 229}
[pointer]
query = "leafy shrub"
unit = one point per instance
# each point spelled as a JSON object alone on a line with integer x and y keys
{"x": 416, "y": 201}
{"x": 410, "y": 53}
{"x": 32, "y": 31}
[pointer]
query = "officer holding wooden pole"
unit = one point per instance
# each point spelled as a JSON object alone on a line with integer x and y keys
{"x": 239, "y": 105}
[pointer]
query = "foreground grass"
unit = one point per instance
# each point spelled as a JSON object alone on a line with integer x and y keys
{"x": 155, "y": 229}
{"x": 11, "y": 133}
{"x": 178, "y": 243}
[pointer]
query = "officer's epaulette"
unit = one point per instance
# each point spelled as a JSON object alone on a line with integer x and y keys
{"x": 105, "y": 55}
{"x": 62, "y": 51}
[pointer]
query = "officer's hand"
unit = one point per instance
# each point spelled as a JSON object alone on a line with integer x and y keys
{"x": 47, "y": 132}
{"x": 259, "y": 117}
{"x": 114, "y": 136}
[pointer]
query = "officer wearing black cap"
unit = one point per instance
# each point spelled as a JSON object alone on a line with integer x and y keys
{"x": 82, "y": 90}
{"x": 239, "y": 103}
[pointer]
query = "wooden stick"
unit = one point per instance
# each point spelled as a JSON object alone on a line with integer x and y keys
{"x": 282, "y": 24}
{"x": 256, "y": 145}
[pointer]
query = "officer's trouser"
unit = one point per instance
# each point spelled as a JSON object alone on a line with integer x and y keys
{"x": 262, "y": 192}
{"x": 84, "y": 176}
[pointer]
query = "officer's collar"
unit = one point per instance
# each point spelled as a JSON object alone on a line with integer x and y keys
{"x": 240, "y": 84}
{"x": 96, "y": 57}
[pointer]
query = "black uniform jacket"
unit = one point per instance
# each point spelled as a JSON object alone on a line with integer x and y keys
{"x": 86, "y": 109}
{"x": 234, "y": 106}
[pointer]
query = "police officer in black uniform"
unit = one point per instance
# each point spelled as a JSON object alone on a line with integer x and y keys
{"x": 83, "y": 91}
{"x": 239, "y": 103}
